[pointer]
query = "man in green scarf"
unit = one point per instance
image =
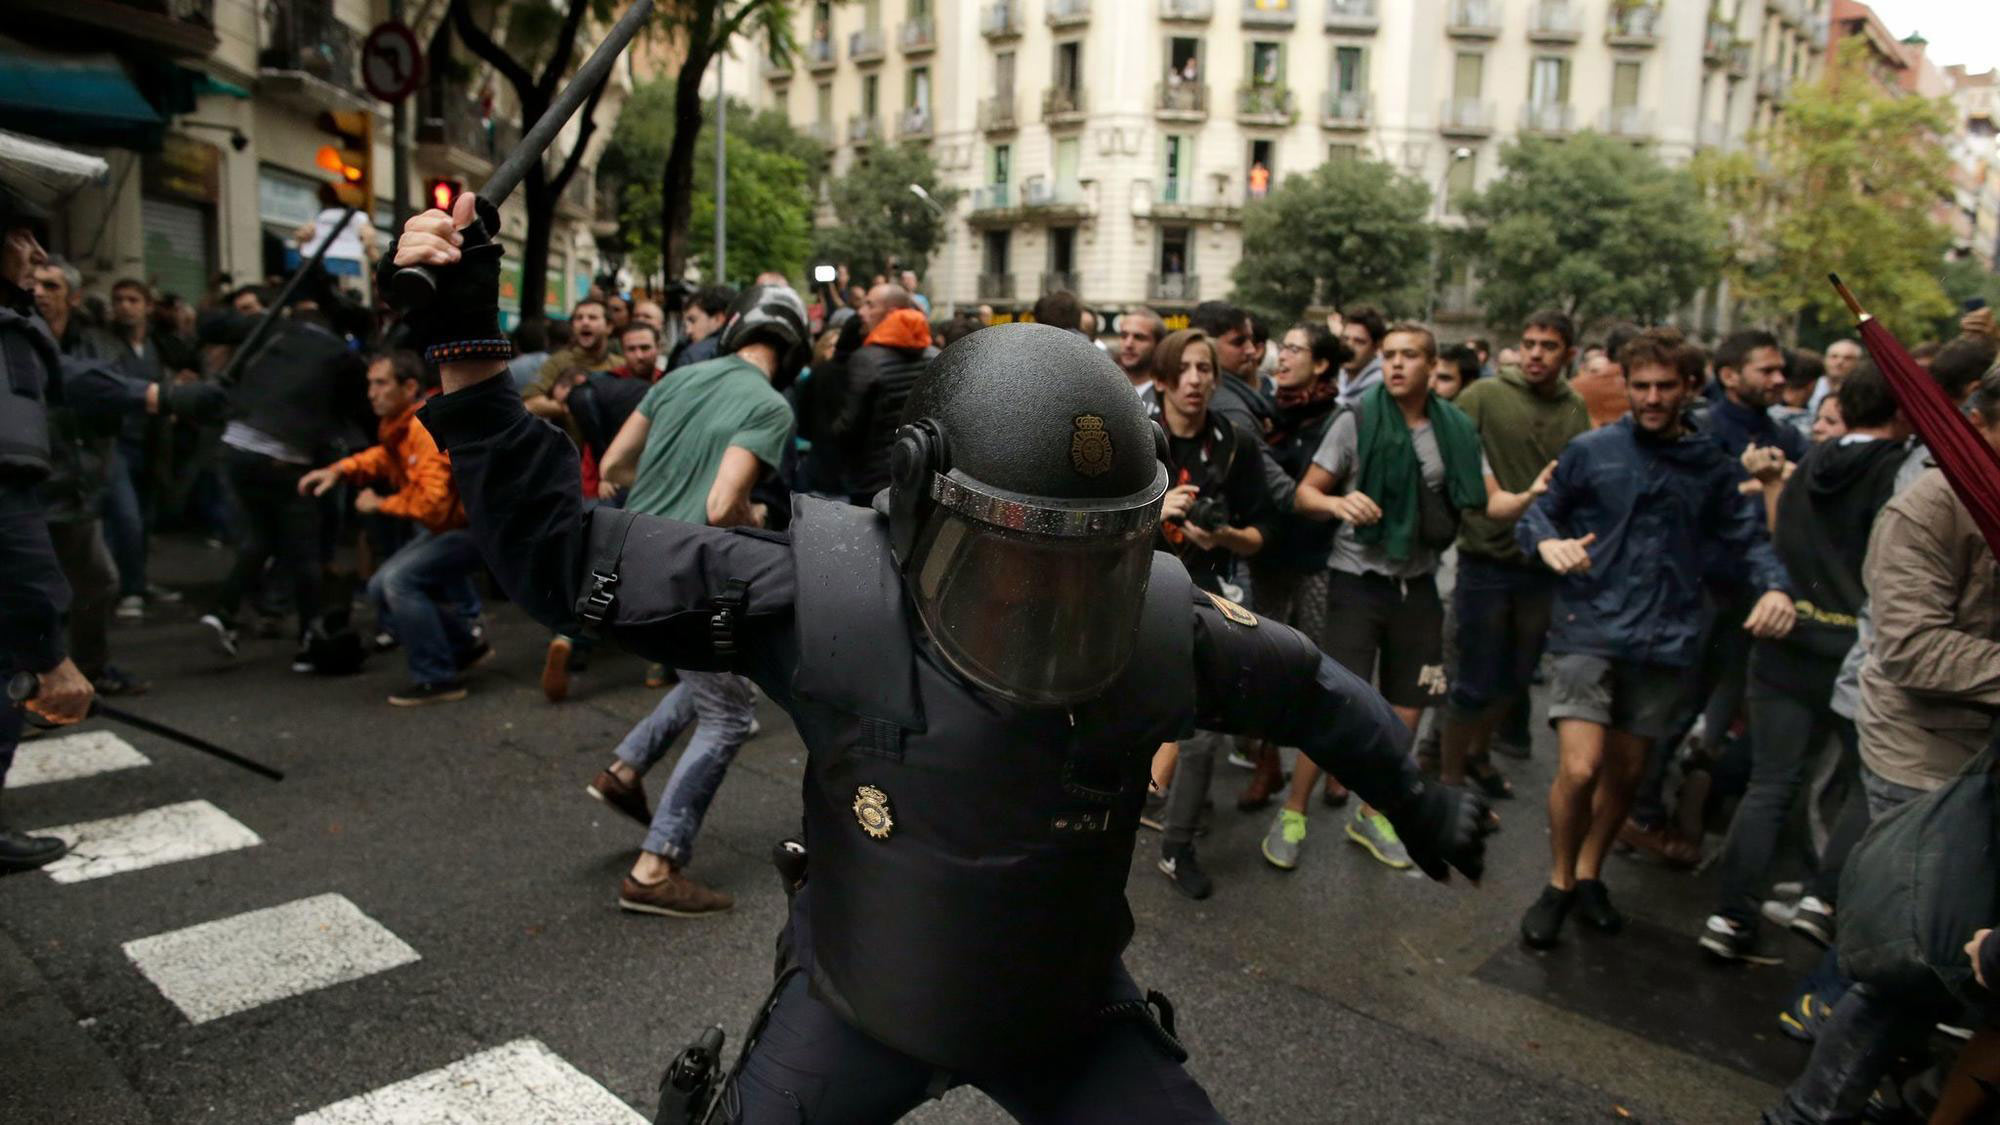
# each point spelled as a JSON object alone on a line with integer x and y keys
{"x": 1395, "y": 469}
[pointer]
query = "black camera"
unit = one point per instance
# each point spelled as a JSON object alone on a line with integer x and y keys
{"x": 1209, "y": 513}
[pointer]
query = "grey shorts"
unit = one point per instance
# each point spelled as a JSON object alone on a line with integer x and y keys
{"x": 1638, "y": 699}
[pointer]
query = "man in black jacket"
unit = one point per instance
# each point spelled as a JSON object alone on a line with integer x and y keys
{"x": 878, "y": 377}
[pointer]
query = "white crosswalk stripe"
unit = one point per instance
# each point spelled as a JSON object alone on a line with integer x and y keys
{"x": 168, "y": 834}
{"x": 234, "y": 964}
{"x": 71, "y": 756}
{"x": 521, "y": 1083}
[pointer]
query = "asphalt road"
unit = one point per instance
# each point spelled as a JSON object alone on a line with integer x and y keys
{"x": 431, "y": 884}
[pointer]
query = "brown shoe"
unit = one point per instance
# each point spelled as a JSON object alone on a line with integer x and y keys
{"x": 627, "y": 797}
{"x": 1661, "y": 843}
{"x": 1268, "y": 777}
{"x": 555, "y": 670}
{"x": 676, "y": 895}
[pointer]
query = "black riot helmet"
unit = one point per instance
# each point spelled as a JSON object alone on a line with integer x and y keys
{"x": 774, "y": 315}
{"x": 1024, "y": 496}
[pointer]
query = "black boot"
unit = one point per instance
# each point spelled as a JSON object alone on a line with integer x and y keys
{"x": 22, "y": 852}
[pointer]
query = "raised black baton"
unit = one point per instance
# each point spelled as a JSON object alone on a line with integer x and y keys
{"x": 24, "y": 686}
{"x": 262, "y": 329}
{"x": 415, "y": 286}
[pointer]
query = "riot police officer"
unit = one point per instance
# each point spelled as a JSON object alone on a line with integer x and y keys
{"x": 980, "y": 667}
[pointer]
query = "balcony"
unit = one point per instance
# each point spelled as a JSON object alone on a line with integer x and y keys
{"x": 866, "y": 46}
{"x": 1628, "y": 122}
{"x": 1173, "y": 288}
{"x": 919, "y": 36}
{"x": 1739, "y": 60}
{"x": 1000, "y": 19}
{"x": 1466, "y": 117}
{"x": 822, "y": 131}
{"x": 1187, "y": 11}
{"x": 821, "y": 54}
{"x": 1269, "y": 13}
{"x": 996, "y": 286}
{"x": 775, "y": 71}
{"x": 1265, "y": 105}
{"x": 914, "y": 125}
{"x": 1713, "y": 134}
{"x": 1773, "y": 84}
{"x": 1062, "y": 281}
{"x": 1790, "y": 12}
{"x": 1348, "y": 110}
{"x": 1472, "y": 19}
{"x": 996, "y": 115}
{"x": 173, "y": 28}
{"x": 863, "y": 129}
{"x": 1041, "y": 197}
{"x": 310, "y": 59}
{"x": 1062, "y": 106}
{"x": 460, "y": 134}
{"x": 1716, "y": 40}
{"x": 1547, "y": 120}
{"x": 1633, "y": 25}
{"x": 1066, "y": 13}
{"x": 1816, "y": 30}
{"x": 1178, "y": 201}
{"x": 1554, "y": 21}
{"x": 1180, "y": 101}
{"x": 988, "y": 199}
{"x": 1351, "y": 15}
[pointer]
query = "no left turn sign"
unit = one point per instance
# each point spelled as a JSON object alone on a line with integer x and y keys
{"x": 391, "y": 63}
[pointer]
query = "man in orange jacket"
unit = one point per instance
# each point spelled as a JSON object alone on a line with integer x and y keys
{"x": 420, "y": 592}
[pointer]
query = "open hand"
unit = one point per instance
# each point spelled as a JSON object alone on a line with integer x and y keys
{"x": 1541, "y": 482}
{"x": 1567, "y": 556}
{"x": 316, "y": 483}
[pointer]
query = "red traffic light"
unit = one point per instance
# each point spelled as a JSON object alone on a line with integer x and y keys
{"x": 443, "y": 193}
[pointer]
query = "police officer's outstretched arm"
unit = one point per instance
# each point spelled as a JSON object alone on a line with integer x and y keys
{"x": 1267, "y": 679}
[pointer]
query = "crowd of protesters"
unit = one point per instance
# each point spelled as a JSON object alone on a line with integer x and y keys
{"x": 1744, "y": 588}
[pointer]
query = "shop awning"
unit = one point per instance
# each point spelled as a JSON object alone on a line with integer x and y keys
{"x": 83, "y": 98}
{"x": 44, "y": 173}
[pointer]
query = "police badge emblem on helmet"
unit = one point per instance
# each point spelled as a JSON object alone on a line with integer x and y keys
{"x": 871, "y": 808}
{"x": 1090, "y": 446}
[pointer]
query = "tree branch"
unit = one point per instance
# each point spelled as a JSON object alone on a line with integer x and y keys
{"x": 732, "y": 25}
{"x": 482, "y": 44}
{"x": 586, "y": 126}
{"x": 565, "y": 47}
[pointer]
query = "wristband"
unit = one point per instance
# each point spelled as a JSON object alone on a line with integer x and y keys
{"x": 499, "y": 347}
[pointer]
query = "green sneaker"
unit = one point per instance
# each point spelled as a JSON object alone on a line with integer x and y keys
{"x": 1282, "y": 842}
{"x": 1373, "y": 831}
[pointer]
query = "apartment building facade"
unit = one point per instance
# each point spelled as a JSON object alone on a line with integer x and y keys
{"x": 1110, "y": 146}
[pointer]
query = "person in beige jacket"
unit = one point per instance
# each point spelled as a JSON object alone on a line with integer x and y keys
{"x": 1930, "y": 689}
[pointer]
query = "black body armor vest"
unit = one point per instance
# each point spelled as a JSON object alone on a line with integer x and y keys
{"x": 28, "y": 357}
{"x": 969, "y": 855}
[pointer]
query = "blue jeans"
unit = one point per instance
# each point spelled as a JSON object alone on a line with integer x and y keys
{"x": 721, "y": 707}
{"x": 1503, "y": 618}
{"x": 125, "y": 520}
{"x": 420, "y": 595}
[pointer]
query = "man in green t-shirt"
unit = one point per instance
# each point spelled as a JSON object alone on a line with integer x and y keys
{"x": 698, "y": 442}
{"x": 1525, "y": 416}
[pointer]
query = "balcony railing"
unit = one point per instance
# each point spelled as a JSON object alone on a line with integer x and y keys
{"x": 1739, "y": 60}
{"x": 1773, "y": 83}
{"x": 775, "y": 71}
{"x": 1181, "y": 101}
{"x": 1473, "y": 19}
{"x": 915, "y": 124}
{"x": 1346, "y": 110}
{"x": 821, "y": 54}
{"x": 996, "y": 286}
{"x": 1790, "y": 12}
{"x": 1193, "y": 11}
{"x": 1465, "y": 117}
{"x": 305, "y": 38}
{"x": 822, "y": 131}
{"x": 173, "y": 28}
{"x": 1270, "y": 13}
{"x": 919, "y": 36}
{"x": 863, "y": 130}
{"x": 1040, "y": 192}
{"x": 1548, "y": 119}
{"x": 459, "y": 122}
{"x": 1000, "y": 19}
{"x": 1816, "y": 30}
{"x": 866, "y": 45}
{"x": 1716, "y": 40}
{"x": 1181, "y": 287}
{"x": 1629, "y": 121}
{"x": 1554, "y": 21}
{"x": 1062, "y": 281}
{"x": 1062, "y": 105}
{"x": 1067, "y": 13}
{"x": 1266, "y": 105}
{"x": 992, "y": 197}
{"x": 1352, "y": 15}
{"x": 1633, "y": 25}
{"x": 996, "y": 115}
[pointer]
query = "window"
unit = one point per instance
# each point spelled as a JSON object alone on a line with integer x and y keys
{"x": 1267, "y": 63}
{"x": 920, "y": 9}
{"x": 1350, "y": 70}
{"x": 1548, "y": 81}
{"x": 1002, "y": 166}
{"x": 1341, "y": 153}
{"x": 1458, "y": 182}
{"x": 1183, "y": 60}
{"x": 1468, "y": 75}
{"x": 1257, "y": 173}
{"x": 1062, "y": 250}
{"x": 1069, "y": 66}
{"x": 1177, "y": 184}
{"x": 997, "y": 251}
{"x": 1174, "y": 243}
{"x": 871, "y": 95}
{"x": 1003, "y": 74}
{"x": 1624, "y": 85}
{"x": 1069, "y": 155}
{"x": 918, "y": 94}
{"x": 823, "y": 103}
{"x": 872, "y": 12}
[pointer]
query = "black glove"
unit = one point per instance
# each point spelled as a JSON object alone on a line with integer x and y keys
{"x": 467, "y": 305}
{"x": 1443, "y": 826}
{"x": 197, "y": 402}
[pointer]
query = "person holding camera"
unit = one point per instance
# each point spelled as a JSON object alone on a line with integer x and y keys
{"x": 1216, "y": 510}
{"x": 1396, "y": 469}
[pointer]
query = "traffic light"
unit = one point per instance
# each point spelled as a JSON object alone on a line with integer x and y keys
{"x": 351, "y": 156}
{"x": 443, "y": 193}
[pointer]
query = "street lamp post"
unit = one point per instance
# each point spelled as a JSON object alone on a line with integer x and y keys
{"x": 1437, "y": 232}
{"x": 950, "y": 243}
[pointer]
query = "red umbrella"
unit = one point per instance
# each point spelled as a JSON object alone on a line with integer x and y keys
{"x": 1969, "y": 463}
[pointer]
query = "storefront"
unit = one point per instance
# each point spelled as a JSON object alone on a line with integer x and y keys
{"x": 180, "y": 188}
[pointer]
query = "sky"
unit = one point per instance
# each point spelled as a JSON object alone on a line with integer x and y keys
{"x": 1959, "y": 31}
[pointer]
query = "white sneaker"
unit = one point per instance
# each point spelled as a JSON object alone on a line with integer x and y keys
{"x": 131, "y": 607}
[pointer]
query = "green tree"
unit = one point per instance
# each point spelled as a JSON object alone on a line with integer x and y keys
{"x": 1848, "y": 184}
{"x": 1590, "y": 225}
{"x": 773, "y": 169}
{"x": 1350, "y": 231}
{"x": 878, "y": 219}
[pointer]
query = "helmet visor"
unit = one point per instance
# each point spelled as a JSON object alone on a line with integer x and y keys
{"x": 1037, "y": 619}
